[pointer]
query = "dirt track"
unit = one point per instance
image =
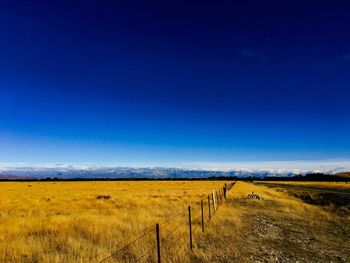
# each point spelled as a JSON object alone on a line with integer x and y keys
{"x": 274, "y": 230}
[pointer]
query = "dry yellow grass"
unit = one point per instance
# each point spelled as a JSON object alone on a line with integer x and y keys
{"x": 279, "y": 228}
{"x": 64, "y": 222}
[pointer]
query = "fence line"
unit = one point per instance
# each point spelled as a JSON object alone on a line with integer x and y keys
{"x": 186, "y": 229}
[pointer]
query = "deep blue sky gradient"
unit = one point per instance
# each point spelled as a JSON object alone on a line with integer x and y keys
{"x": 174, "y": 82}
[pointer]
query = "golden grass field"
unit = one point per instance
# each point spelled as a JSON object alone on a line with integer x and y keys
{"x": 64, "y": 222}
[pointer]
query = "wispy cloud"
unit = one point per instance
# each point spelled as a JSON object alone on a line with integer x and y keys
{"x": 346, "y": 56}
{"x": 330, "y": 63}
{"x": 253, "y": 54}
{"x": 247, "y": 53}
{"x": 251, "y": 48}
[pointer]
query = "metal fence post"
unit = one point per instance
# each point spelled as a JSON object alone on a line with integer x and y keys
{"x": 158, "y": 243}
{"x": 214, "y": 205}
{"x": 202, "y": 216}
{"x": 217, "y": 199}
{"x": 209, "y": 206}
{"x": 225, "y": 191}
{"x": 190, "y": 225}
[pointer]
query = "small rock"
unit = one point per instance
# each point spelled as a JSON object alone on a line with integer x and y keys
{"x": 103, "y": 197}
{"x": 254, "y": 196}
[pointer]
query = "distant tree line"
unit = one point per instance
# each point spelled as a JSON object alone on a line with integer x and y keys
{"x": 307, "y": 177}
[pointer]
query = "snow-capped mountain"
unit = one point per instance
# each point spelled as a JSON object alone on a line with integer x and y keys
{"x": 71, "y": 171}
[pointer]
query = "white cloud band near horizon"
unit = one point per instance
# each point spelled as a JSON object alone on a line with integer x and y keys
{"x": 295, "y": 166}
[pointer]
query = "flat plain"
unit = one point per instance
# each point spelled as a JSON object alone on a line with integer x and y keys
{"x": 87, "y": 221}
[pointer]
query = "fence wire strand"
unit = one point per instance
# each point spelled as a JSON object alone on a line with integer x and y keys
{"x": 148, "y": 251}
{"x": 172, "y": 232}
{"x": 218, "y": 196}
{"x": 127, "y": 245}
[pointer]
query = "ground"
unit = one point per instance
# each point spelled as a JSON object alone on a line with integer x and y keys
{"x": 88, "y": 221}
{"x": 280, "y": 228}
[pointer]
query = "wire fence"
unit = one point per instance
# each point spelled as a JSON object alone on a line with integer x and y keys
{"x": 172, "y": 239}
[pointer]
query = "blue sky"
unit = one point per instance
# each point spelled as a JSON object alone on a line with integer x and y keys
{"x": 184, "y": 82}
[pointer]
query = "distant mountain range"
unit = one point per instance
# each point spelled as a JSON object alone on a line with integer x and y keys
{"x": 71, "y": 172}
{"x": 11, "y": 177}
